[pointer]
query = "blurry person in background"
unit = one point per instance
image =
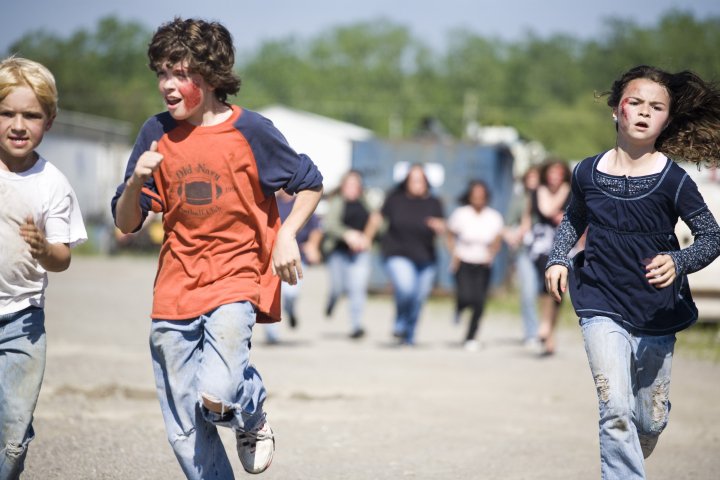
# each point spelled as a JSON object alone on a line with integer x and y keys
{"x": 518, "y": 237}
{"x": 546, "y": 212}
{"x": 350, "y": 226}
{"x": 474, "y": 238}
{"x": 308, "y": 240}
{"x": 414, "y": 217}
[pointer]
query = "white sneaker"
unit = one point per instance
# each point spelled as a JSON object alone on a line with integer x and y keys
{"x": 471, "y": 345}
{"x": 256, "y": 448}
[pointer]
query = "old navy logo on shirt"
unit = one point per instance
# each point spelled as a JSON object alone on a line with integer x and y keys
{"x": 198, "y": 190}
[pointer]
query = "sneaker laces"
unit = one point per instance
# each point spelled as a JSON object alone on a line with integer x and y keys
{"x": 250, "y": 439}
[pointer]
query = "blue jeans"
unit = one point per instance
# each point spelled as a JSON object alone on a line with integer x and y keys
{"x": 22, "y": 365}
{"x": 209, "y": 356}
{"x": 632, "y": 377}
{"x": 289, "y": 294}
{"x": 349, "y": 273}
{"x": 529, "y": 291}
{"x": 411, "y": 284}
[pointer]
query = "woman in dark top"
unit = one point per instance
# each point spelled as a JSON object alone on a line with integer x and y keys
{"x": 350, "y": 226}
{"x": 414, "y": 218}
{"x": 629, "y": 286}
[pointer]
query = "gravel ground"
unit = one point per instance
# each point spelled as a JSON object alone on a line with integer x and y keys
{"x": 345, "y": 409}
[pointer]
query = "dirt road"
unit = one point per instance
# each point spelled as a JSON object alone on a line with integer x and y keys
{"x": 342, "y": 409}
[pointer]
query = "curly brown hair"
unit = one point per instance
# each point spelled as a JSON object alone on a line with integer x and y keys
{"x": 693, "y": 134}
{"x": 206, "y": 46}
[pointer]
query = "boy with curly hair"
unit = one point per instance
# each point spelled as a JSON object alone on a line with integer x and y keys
{"x": 212, "y": 169}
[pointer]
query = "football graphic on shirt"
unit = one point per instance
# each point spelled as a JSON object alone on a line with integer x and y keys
{"x": 199, "y": 190}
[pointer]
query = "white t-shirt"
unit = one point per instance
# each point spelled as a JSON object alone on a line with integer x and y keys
{"x": 475, "y": 232}
{"x": 44, "y": 193}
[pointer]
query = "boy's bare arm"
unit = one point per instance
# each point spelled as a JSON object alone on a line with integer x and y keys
{"x": 127, "y": 212}
{"x": 128, "y": 215}
{"x": 286, "y": 254}
{"x": 53, "y": 257}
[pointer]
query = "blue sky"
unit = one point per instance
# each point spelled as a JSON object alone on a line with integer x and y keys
{"x": 252, "y": 21}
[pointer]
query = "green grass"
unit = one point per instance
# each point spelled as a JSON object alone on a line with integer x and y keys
{"x": 701, "y": 341}
{"x": 507, "y": 301}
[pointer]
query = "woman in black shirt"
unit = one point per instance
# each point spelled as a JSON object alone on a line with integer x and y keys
{"x": 414, "y": 217}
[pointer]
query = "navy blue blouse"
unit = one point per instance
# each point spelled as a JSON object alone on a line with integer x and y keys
{"x": 630, "y": 220}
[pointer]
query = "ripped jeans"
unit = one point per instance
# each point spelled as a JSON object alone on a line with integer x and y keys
{"x": 22, "y": 366}
{"x": 632, "y": 377}
{"x": 209, "y": 356}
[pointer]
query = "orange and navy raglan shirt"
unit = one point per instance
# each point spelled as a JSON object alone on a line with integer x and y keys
{"x": 215, "y": 189}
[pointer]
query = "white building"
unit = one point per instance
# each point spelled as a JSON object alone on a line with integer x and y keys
{"x": 525, "y": 153}
{"x": 327, "y": 141}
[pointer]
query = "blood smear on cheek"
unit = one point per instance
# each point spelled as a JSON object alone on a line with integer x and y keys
{"x": 191, "y": 94}
{"x": 623, "y": 112}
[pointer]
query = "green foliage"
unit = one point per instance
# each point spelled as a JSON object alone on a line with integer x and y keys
{"x": 378, "y": 75}
{"x": 358, "y": 73}
{"x": 102, "y": 72}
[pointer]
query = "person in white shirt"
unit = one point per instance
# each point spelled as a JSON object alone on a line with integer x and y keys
{"x": 39, "y": 221}
{"x": 474, "y": 238}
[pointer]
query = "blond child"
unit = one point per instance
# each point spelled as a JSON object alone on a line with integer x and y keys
{"x": 39, "y": 221}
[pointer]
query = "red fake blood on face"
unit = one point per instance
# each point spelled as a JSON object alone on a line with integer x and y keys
{"x": 623, "y": 112}
{"x": 191, "y": 94}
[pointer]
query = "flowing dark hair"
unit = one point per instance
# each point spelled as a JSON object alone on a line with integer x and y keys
{"x": 693, "y": 133}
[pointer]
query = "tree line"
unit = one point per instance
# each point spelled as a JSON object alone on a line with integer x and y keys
{"x": 378, "y": 75}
